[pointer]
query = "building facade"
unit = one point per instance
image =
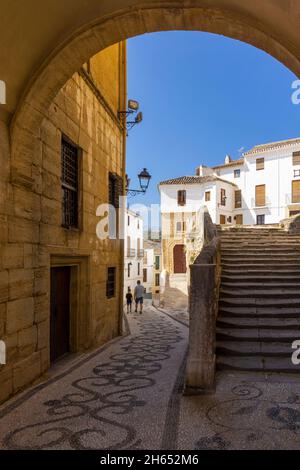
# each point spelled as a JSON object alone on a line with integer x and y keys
{"x": 152, "y": 268}
{"x": 134, "y": 250}
{"x": 61, "y": 286}
{"x": 263, "y": 187}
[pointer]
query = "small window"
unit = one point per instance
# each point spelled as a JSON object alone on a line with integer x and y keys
{"x": 111, "y": 283}
{"x": 260, "y": 195}
{"x": 238, "y": 199}
{"x": 223, "y": 197}
{"x": 181, "y": 198}
{"x": 129, "y": 269}
{"x": 69, "y": 184}
{"x": 157, "y": 280}
{"x": 260, "y": 164}
{"x": 237, "y": 173}
{"x": 296, "y": 173}
{"x": 139, "y": 269}
{"x": 145, "y": 275}
{"x": 296, "y": 158}
{"x": 157, "y": 263}
{"x": 178, "y": 227}
{"x": 260, "y": 219}
{"x": 207, "y": 196}
{"x": 128, "y": 222}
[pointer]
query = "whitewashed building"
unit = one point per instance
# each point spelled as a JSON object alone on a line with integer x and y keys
{"x": 152, "y": 267}
{"x": 262, "y": 187}
{"x": 134, "y": 250}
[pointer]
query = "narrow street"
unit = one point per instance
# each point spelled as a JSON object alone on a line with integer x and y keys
{"x": 128, "y": 395}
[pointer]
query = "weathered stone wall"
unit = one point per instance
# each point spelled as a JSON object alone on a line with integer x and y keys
{"x": 31, "y": 236}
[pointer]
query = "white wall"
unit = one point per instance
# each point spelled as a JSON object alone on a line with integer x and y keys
{"x": 136, "y": 232}
{"x": 277, "y": 176}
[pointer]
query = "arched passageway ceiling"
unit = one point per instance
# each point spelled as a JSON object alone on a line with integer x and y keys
{"x": 44, "y": 43}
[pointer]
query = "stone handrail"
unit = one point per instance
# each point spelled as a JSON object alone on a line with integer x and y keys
{"x": 292, "y": 224}
{"x": 204, "y": 298}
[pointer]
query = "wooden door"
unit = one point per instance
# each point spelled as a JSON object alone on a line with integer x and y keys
{"x": 179, "y": 259}
{"x": 239, "y": 219}
{"x": 222, "y": 220}
{"x": 60, "y": 312}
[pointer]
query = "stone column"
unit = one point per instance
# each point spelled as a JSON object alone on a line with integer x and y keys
{"x": 200, "y": 374}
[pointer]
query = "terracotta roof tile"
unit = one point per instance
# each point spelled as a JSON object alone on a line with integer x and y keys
{"x": 194, "y": 180}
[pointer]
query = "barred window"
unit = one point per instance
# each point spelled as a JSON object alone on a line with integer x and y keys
{"x": 111, "y": 283}
{"x": 115, "y": 190}
{"x": 69, "y": 183}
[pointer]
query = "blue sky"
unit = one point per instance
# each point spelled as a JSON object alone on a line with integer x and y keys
{"x": 203, "y": 96}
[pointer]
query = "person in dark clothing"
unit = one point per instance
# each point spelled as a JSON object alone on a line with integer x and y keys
{"x": 129, "y": 299}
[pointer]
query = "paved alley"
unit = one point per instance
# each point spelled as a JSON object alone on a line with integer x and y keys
{"x": 128, "y": 395}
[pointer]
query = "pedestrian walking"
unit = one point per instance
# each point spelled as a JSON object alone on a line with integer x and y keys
{"x": 139, "y": 293}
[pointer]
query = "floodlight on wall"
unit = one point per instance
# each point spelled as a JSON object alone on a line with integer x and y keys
{"x": 132, "y": 108}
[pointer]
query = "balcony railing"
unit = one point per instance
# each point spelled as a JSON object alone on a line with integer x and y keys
{"x": 141, "y": 253}
{"x": 131, "y": 252}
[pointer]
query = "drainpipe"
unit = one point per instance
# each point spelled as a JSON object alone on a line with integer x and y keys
{"x": 122, "y": 105}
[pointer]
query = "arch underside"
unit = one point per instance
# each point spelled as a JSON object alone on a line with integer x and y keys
{"x": 103, "y": 32}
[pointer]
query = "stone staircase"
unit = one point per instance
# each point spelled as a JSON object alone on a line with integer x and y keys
{"x": 259, "y": 305}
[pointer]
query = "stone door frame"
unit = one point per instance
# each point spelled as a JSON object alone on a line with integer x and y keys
{"x": 80, "y": 308}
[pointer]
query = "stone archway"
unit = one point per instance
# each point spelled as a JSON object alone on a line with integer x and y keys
{"x": 220, "y": 17}
{"x": 78, "y": 38}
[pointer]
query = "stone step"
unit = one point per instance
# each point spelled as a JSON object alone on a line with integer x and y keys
{"x": 240, "y": 254}
{"x": 257, "y": 322}
{"x": 257, "y": 364}
{"x": 248, "y": 349}
{"x": 259, "y": 312}
{"x": 267, "y": 272}
{"x": 277, "y": 294}
{"x": 246, "y": 267}
{"x": 265, "y": 260}
{"x": 254, "y": 280}
{"x": 259, "y": 302}
{"x": 258, "y": 334}
{"x": 259, "y": 285}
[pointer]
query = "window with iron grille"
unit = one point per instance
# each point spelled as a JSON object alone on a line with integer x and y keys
{"x": 296, "y": 173}
{"x": 157, "y": 280}
{"x": 237, "y": 173}
{"x": 115, "y": 190}
{"x": 111, "y": 283}
{"x": 69, "y": 183}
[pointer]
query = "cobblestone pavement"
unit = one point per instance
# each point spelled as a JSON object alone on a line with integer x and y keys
{"x": 181, "y": 316}
{"x": 128, "y": 395}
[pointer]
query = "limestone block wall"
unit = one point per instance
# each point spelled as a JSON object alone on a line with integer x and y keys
{"x": 31, "y": 236}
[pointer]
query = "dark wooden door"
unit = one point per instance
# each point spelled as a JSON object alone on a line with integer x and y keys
{"x": 179, "y": 259}
{"x": 239, "y": 219}
{"x": 60, "y": 312}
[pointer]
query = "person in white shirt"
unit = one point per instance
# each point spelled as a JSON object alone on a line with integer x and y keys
{"x": 139, "y": 293}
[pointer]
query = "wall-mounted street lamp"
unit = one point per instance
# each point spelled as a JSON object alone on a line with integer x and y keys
{"x": 144, "y": 179}
{"x": 133, "y": 109}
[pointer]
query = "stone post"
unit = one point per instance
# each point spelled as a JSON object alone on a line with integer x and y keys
{"x": 200, "y": 373}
